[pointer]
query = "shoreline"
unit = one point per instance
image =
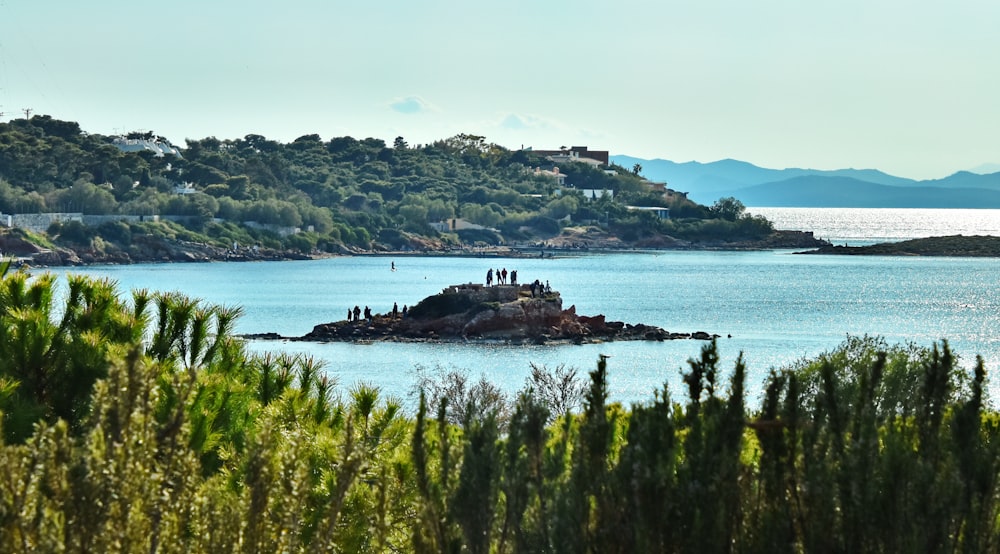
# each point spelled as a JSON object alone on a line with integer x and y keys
{"x": 201, "y": 253}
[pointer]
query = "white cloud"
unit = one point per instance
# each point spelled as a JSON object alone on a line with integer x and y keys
{"x": 515, "y": 129}
{"x": 411, "y": 105}
{"x": 520, "y": 122}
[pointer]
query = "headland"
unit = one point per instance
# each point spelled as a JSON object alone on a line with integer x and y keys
{"x": 978, "y": 246}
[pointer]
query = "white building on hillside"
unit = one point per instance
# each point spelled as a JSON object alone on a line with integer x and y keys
{"x": 158, "y": 148}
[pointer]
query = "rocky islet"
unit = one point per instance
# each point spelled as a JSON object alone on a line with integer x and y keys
{"x": 474, "y": 312}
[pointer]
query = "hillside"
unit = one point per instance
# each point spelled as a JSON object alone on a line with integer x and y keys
{"x": 795, "y": 187}
{"x": 97, "y": 197}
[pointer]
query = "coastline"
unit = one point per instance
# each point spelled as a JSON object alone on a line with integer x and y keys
{"x": 186, "y": 252}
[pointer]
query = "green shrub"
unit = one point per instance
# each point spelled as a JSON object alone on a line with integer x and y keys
{"x": 146, "y": 426}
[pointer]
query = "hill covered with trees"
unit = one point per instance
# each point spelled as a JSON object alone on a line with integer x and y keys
{"x": 338, "y": 195}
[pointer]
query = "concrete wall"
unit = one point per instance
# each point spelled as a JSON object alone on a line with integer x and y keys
{"x": 39, "y": 223}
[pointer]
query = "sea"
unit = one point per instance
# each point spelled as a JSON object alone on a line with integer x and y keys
{"x": 774, "y": 308}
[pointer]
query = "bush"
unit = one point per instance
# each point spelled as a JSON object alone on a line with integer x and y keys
{"x": 302, "y": 242}
{"x": 145, "y": 425}
{"x": 392, "y": 238}
{"x": 472, "y": 236}
{"x": 72, "y": 233}
{"x": 117, "y": 232}
{"x": 545, "y": 225}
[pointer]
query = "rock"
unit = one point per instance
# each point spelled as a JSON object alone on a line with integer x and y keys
{"x": 58, "y": 257}
{"x": 11, "y": 244}
{"x": 955, "y": 245}
{"x": 508, "y": 313}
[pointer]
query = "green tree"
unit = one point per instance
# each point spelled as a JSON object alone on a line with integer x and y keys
{"x": 54, "y": 354}
{"x": 414, "y": 215}
{"x": 728, "y": 208}
{"x": 84, "y": 197}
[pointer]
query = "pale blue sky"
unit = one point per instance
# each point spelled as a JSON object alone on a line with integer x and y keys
{"x": 911, "y": 88}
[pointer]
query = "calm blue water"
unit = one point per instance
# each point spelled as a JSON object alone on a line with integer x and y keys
{"x": 858, "y": 227}
{"x": 778, "y": 307}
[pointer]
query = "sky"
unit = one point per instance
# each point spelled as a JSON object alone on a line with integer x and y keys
{"x": 909, "y": 88}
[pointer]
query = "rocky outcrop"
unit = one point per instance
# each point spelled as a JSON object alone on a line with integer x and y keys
{"x": 509, "y": 313}
{"x": 954, "y": 245}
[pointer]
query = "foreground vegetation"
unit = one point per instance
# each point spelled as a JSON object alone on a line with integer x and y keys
{"x": 342, "y": 193}
{"x": 143, "y": 425}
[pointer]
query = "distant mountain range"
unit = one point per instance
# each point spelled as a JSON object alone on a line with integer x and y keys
{"x": 843, "y": 188}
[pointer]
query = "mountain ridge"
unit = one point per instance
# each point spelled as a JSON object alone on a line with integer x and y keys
{"x": 799, "y": 187}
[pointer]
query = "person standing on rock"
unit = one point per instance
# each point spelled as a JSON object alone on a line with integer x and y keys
{"x": 489, "y": 277}
{"x": 395, "y": 310}
{"x": 513, "y": 277}
{"x": 503, "y": 277}
{"x": 357, "y": 313}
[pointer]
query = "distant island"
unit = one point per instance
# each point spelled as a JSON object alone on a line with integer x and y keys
{"x": 952, "y": 246}
{"x": 812, "y": 188}
{"x": 525, "y": 313}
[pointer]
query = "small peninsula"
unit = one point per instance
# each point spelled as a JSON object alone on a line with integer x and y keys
{"x": 519, "y": 314}
{"x": 980, "y": 246}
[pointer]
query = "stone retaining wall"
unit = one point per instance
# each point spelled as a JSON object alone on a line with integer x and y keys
{"x": 39, "y": 223}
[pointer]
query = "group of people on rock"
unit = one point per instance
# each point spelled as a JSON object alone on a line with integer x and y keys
{"x": 538, "y": 289}
{"x": 501, "y": 277}
{"x": 355, "y": 313}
